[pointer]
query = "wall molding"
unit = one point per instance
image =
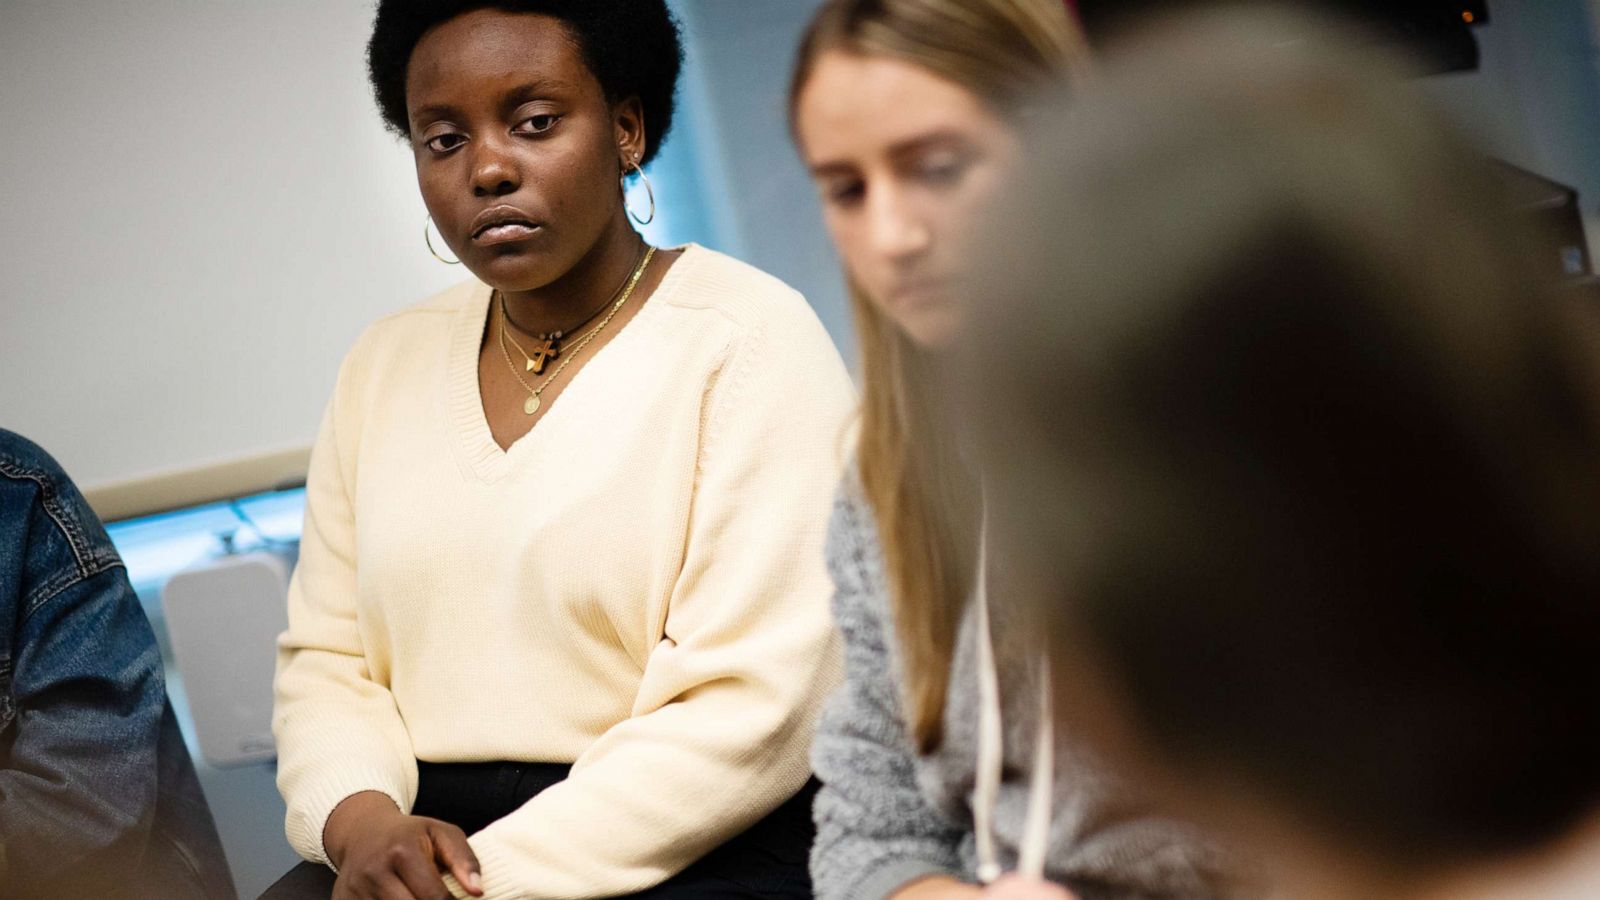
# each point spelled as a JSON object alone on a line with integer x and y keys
{"x": 200, "y": 484}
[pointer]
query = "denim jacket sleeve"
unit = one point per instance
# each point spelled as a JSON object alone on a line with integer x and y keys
{"x": 81, "y": 687}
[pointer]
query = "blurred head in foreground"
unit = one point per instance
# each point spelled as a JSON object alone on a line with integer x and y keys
{"x": 1298, "y": 454}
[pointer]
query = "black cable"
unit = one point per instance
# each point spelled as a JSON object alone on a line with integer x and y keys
{"x": 269, "y": 540}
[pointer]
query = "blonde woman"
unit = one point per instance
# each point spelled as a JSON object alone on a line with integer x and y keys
{"x": 938, "y": 769}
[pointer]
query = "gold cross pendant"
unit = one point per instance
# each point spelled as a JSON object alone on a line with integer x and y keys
{"x": 542, "y": 354}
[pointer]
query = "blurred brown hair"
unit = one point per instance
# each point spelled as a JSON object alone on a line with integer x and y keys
{"x": 1296, "y": 442}
{"x": 1006, "y": 52}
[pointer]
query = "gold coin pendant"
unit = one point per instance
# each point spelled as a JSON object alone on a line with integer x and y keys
{"x": 532, "y": 406}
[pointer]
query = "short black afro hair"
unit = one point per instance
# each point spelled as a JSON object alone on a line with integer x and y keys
{"x": 633, "y": 47}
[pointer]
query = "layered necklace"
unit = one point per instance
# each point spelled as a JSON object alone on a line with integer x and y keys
{"x": 550, "y": 348}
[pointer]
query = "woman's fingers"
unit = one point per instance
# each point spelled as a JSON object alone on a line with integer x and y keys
{"x": 1013, "y": 887}
{"x": 412, "y": 864}
{"x": 375, "y": 886}
{"x": 453, "y": 854}
{"x": 390, "y": 887}
{"x": 405, "y": 858}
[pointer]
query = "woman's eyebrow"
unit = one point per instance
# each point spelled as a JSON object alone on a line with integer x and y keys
{"x": 831, "y": 169}
{"x": 538, "y": 87}
{"x": 901, "y": 150}
{"x": 431, "y": 112}
{"x": 933, "y": 140}
{"x": 521, "y": 93}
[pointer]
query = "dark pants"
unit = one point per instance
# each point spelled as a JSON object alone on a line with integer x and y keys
{"x": 767, "y": 860}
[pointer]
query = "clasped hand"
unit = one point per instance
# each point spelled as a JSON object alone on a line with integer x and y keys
{"x": 383, "y": 854}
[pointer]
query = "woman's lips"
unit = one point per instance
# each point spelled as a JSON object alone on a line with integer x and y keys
{"x": 922, "y": 295}
{"x": 500, "y": 234}
{"x": 502, "y": 224}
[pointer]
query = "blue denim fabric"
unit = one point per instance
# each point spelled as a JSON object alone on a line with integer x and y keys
{"x": 98, "y": 795}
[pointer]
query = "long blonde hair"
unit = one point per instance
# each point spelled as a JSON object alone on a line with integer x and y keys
{"x": 921, "y": 494}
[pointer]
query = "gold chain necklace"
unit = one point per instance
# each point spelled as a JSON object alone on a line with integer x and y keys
{"x": 535, "y": 400}
{"x": 549, "y": 344}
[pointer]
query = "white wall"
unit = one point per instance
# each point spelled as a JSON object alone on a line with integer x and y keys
{"x": 202, "y": 211}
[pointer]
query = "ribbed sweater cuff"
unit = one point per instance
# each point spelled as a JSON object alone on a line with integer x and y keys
{"x": 316, "y": 802}
{"x": 507, "y": 876}
{"x": 496, "y": 863}
{"x": 491, "y": 866}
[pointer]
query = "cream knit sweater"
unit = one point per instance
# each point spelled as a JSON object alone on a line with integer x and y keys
{"x": 636, "y": 587}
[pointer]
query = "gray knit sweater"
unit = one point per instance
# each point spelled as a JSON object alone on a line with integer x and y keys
{"x": 887, "y": 815}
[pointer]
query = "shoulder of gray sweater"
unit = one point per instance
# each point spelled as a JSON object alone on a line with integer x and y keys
{"x": 854, "y": 557}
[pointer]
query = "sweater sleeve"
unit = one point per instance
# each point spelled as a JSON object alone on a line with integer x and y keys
{"x": 875, "y": 830}
{"x": 725, "y": 713}
{"x": 337, "y": 727}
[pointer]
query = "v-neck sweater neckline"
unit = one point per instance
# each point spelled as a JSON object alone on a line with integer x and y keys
{"x": 464, "y": 398}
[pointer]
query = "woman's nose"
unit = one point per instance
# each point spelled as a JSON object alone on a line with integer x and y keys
{"x": 494, "y": 172}
{"x": 895, "y": 228}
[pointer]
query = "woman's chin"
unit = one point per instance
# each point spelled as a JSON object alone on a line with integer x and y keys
{"x": 517, "y": 270}
{"x": 933, "y": 328}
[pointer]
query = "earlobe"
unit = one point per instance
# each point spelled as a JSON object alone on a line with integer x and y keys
{"x": 630, "y": 154}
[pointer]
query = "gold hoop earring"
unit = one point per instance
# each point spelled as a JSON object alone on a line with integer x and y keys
{"x": 428, "y": 239}
{"x": 648, "y": 189}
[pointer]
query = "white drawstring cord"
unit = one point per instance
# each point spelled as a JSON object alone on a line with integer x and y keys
{"x": 991, "y": 749}
{"x": 991, "y": 734}
{"x": 1036, "y": 836}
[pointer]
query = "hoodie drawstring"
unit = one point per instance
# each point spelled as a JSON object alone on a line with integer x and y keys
{"x": 991, "y": 750}
{"x": 1036, "y": 836}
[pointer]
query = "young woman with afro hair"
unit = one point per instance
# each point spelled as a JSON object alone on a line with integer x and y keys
{"x": 560, "y": 623}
